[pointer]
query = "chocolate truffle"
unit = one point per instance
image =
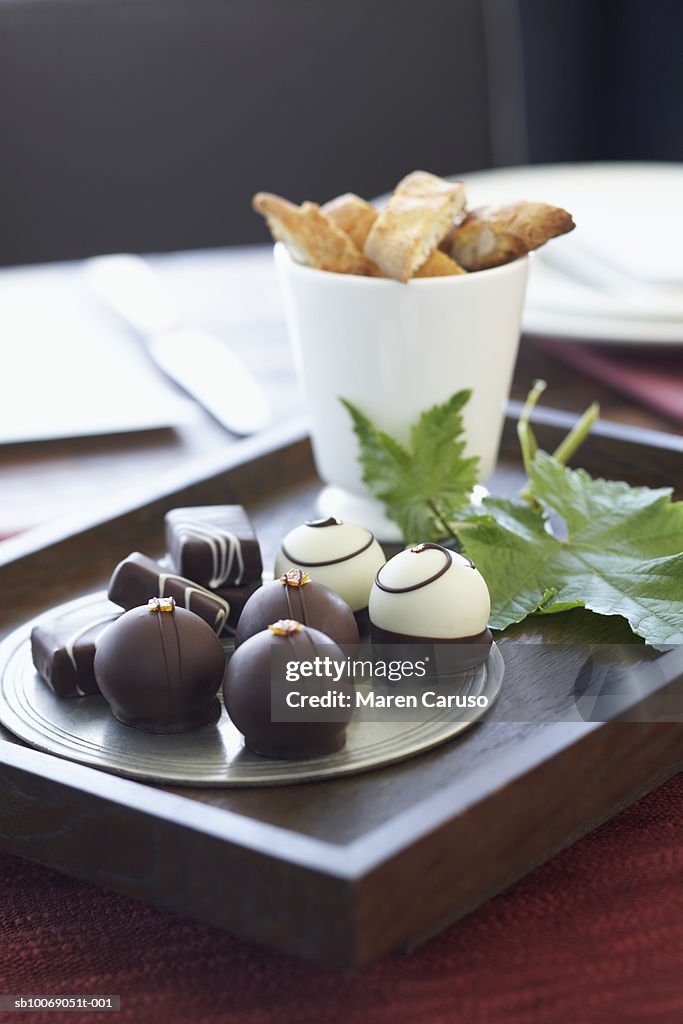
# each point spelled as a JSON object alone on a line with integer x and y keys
{"x": 63, "y": 651}
{"x": 138, "y": 578}
{"x": 160, "y": 668}
{"x": 430, "y": 595}
{"x": 341, "y": 556}
{"x": 215, "y": 545}
{"x": 255, "y": 679}
{"x": 296, "y": 596}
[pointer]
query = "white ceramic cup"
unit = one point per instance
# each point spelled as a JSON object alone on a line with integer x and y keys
{"x": 395, "y": 350}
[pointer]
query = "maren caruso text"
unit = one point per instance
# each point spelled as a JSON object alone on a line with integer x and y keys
{"x": 372, "y": 699}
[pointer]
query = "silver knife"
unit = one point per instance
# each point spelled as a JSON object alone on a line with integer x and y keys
{"x": 202, "y": 364}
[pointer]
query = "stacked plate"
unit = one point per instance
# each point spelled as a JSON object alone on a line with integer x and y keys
{"x": 617, "y": 278}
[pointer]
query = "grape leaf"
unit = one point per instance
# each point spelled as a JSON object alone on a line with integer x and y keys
{"x": 622, "y": 555}
{"x": 426, "y": 485}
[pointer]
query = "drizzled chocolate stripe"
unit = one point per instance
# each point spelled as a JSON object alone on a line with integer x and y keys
{"x": 224, "y": 546}
{"x": 70, "y": 644}
{"x": 424, "y": 583}
{"x": 299, "y": 613}
{"x": 329, "y": 561}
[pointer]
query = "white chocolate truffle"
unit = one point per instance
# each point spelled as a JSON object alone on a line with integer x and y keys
{"x": 429, "y": 591}
{"x": 342, "y": 556}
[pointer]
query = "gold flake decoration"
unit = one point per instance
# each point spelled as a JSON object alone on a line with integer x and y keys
{"x": 161, "y": 604}
{"x": 295, "y": 578}
{"x": 285, "y": 627}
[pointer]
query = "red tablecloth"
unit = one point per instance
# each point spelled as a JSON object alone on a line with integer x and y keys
{"x": 595, "y": 935}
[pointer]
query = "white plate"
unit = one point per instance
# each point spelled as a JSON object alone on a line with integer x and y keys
{"x": 628, "y": 215}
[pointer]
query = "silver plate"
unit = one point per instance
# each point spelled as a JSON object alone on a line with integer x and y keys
{"x": 83, "y": 729}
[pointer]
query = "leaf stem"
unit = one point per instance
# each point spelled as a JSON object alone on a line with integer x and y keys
{"x": 448, "y": 532}
{"x": 577, "y": 435}
{"x": 527, "y": 441}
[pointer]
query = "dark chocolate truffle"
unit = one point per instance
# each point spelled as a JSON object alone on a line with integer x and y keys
{"x": 215, "y": 545}
{"x": 160, "y": 668}
{"x": 296, "y": 596}
{"x": 256, "y": 677}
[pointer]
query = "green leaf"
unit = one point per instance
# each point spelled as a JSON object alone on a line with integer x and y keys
{"x": 426, "y": 486}
{"x": 623, "y": 553}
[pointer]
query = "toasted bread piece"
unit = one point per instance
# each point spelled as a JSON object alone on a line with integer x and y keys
{"x": 490, "y": 236}
{"x": 423, "y": 185}
{"x": 353, "y": 215}
{"x": 418, "y": 215}
{"x": 310, "y": 236}
{"x": 440, "y": 265}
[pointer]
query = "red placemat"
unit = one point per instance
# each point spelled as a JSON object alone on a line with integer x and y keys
{"x": 595, "y": 936}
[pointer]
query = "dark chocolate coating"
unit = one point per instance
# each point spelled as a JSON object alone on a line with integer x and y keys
{"x": 214, "y": 545}
{"x": 237, "y": 598}
{"x": 362, "y": 617}
{"x": 160, "y": 671}
{"x": 63, "y": 651}
{"x": 248, "y": 687}
{"x": 449, "y": 655}
{"x": 310, "y": 603}
{"x": 138, "y": 578}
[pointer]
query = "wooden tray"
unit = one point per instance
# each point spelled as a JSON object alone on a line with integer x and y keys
{"x": 345, "y": 870}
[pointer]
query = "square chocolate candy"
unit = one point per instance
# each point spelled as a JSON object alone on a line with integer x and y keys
{"x": 237, "y": 597}
{"x": 138, "y": 578}
{"x": 214, "y": 545}
{"x": 63, "y": 651}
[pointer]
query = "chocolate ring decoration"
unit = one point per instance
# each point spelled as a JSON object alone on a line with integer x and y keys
{"x": 330, "y": 561}
{"x": 424, "y": 583}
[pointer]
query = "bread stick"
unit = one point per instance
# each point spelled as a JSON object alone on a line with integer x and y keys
{"x": 490, "y": 236}
{"x": 353, "y": 215}
{"x": 418, "y": 215}
{"x": 439, "y": 265}
{"x": 310, "y": 236}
